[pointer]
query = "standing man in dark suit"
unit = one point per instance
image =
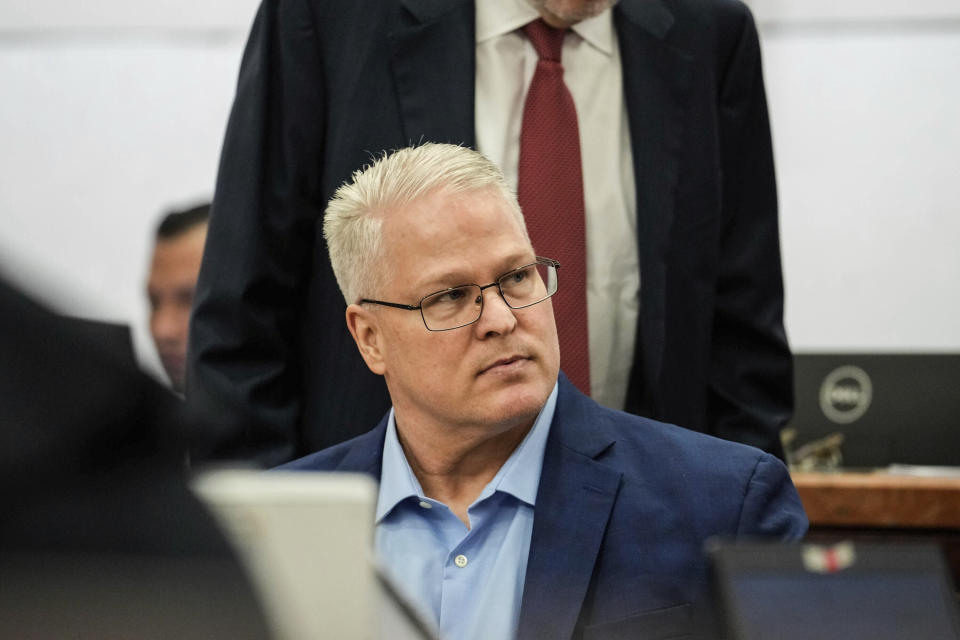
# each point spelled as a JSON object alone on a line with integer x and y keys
{"x": 510, "y": 504}
{"x": 685, "y": 305}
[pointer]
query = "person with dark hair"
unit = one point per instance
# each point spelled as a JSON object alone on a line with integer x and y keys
{"x": 176, "y": 223}
{"x": 174, "y": 268}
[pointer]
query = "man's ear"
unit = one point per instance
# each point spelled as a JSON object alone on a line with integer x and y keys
{"x": 366, "y": 332}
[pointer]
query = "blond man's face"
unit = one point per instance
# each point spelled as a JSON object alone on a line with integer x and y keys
{"x": 494, "y": 374}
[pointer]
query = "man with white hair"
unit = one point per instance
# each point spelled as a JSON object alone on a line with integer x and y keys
{"x": 510, "y": 504}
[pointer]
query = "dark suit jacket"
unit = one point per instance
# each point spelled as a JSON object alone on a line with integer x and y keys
{"x": 624, "y": 507}
{"x": 326, "y": 83}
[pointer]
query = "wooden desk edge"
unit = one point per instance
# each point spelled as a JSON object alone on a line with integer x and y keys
{"x": 879, "y": 500}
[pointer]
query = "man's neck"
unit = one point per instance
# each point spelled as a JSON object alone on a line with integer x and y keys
{"x": 453, "y": 466}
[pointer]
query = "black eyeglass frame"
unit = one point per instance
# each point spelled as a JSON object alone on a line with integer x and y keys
{"x": 549, "y": 262}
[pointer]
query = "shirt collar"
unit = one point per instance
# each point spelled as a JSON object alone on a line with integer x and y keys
{"x": 397, "y": 482}
{"x": 499, "y": 17}
{"x": 519, "y": 476}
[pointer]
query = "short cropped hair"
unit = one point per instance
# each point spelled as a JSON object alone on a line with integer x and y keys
{"x": 352, "y": 224}
{"x": 176, "y": 223}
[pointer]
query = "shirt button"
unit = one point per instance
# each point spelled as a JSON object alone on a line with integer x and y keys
{"x": 460, "y": 561}
{"x": 425, "y": 504}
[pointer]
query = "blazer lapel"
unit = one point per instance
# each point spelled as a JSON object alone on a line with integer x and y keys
{"x": 573, "y": 506}
{"x": 433, "y": 68}
{"x": 656, "y": 78}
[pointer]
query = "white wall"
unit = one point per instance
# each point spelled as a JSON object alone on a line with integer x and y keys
{"x": 865, "y": 106}
{"x": 113, "y": 112}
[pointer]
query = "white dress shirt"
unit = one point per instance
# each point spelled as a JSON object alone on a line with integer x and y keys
{"x": 591, "y": 60}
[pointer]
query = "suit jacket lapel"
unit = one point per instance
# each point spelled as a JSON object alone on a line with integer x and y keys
{"x": 656, "y": 79}
{"x": 433, "y": 55}
{"x": 574, "y": 501}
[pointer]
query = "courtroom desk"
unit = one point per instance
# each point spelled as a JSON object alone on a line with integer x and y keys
{"x": 879, "y": 506}
{"x": 879, "y": 500}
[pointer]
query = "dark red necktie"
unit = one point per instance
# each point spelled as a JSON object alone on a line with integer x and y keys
{"x": 550, "y": 191}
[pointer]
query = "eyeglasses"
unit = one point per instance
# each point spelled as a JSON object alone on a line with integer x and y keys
{"x": 459, "y": 306}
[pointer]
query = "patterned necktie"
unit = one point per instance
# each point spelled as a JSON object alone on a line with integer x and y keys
{"x": 550, "y": 191}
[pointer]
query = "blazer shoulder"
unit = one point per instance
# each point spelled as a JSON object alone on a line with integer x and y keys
{"x": 324, "y": 460}
{"x": 651, "y": 437}
{"x": 727, "y": 487}
{"x": 630, "y": 442}
{"x": 361, "y": 454}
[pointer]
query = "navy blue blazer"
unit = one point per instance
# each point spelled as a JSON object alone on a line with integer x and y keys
{"x": 327, "y": 83}
{"x": 624, "y": 507}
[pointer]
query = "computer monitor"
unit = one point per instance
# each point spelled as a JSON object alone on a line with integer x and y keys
{"x": 843, "y": 592}
{"x": 890, "y": 407}
{"x": 307, "y": 539}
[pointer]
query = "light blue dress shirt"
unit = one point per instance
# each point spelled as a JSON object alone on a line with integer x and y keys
{"x": 467, "y": 581}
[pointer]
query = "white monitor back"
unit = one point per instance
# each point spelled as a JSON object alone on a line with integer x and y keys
{"x": 306, "y": 539}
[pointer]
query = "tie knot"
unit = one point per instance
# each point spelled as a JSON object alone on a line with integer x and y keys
{"x": 547, "y": 40}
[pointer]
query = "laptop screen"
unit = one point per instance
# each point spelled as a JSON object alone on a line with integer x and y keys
{"x": 891, "y": 408}
{"x": 798, "y": 591}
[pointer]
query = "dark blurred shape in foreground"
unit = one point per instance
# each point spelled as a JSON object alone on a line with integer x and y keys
{"x": 847, "y": 591}
{"x": 100, "y": 535}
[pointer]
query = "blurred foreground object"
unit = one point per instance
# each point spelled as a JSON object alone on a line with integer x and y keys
{"x": 100, "y": 535}
{"x": 885, "y": 505}
{"x": 848, "y": 591}
{"x": 307, "y": 539}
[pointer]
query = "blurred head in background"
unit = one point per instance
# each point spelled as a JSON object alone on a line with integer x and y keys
{"x": 174, "y": 268}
